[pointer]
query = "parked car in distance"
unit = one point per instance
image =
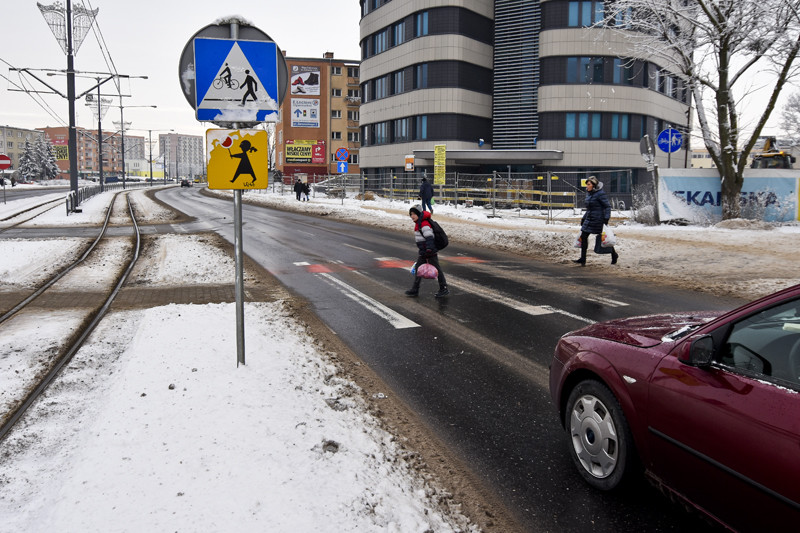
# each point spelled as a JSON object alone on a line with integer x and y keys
{"x": 186, "y": 183}
{"x": 706, "y": 405}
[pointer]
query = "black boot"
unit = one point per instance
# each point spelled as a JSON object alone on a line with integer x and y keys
{"x": 581, "y": 261}
{"x": 413, "y": 291}
{"x": 443, "y": 291}
{"x": 614, "y": 257}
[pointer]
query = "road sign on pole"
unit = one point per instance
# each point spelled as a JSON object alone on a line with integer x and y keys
{"x": 5, "y": 162}
{"x": 237, "y": 159}
{"x": 670, "y": 140}
{"x": 236, "y": 80}
{"x": 342, "y": 154}
{"x": 342, "y": 167}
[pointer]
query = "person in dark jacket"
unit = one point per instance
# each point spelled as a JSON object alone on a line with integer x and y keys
{"x": 306, "y": 191}
{"x": 423, "y": 234}
{"x": 298, "y": 188}
{"x": 598, "y": 213}
{"x": 426, "y": 194}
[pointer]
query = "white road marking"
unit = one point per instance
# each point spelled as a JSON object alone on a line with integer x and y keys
{"x": 533, "y": 310}
{"x": 357, "y": 248}
{"x": 606, "y": 301}
{"x": 394, "y": 318}
{"x": 302, "y": 264}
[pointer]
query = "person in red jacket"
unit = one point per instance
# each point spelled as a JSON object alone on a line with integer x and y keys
{"x": 423, "y": 234}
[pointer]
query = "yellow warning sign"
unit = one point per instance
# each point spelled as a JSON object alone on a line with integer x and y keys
{"x": 237, "y": 159}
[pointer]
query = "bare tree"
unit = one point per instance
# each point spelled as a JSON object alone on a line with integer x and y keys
{"x": 790, "y": 120}
{"x": 718, "y": 47}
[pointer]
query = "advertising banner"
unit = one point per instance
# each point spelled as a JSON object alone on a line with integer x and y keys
{"x": 305, "y": 151}
{"x": 305, "y": 112}
{"x": 305, "y": 80}
{"x": 695, "y": 195}
{"x": 439, "y": 163}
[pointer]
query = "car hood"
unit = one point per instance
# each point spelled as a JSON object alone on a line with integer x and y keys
{"x": 647, "y": 331}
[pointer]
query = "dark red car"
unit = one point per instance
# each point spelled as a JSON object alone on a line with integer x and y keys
{"x": 707, "y": 406}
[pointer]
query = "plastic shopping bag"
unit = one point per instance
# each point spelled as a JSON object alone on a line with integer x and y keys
{"x": 427, "y": 271}
{"x": 609, "y": 239}
{"x": 577, "y": 243}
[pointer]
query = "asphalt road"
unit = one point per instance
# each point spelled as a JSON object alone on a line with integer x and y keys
{"x": 474, "y": 366}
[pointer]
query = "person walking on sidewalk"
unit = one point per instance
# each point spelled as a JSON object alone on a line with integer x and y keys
{"x": 598, "y": 213}
{"x": 423, "y": 234}
{"x": 426, "y": 194}
{"x": 298, "y": 188}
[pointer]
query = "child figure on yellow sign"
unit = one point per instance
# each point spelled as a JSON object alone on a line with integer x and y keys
{"x": 245, "y": 167}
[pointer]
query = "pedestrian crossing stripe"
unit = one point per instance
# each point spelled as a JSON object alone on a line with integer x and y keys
{"x": 247, "y": 91}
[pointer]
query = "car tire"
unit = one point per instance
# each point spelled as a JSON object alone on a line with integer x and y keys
{"x": 600, "y": 441}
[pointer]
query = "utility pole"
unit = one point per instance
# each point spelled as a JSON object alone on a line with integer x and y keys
{"x": 55, "y": 16}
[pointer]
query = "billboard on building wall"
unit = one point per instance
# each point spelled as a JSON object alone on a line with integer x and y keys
{"x": 305, "y": 112}
{"x": 305, "y": 80}
{"x": 60, "y": 149}
{"x": 305, "y": 151}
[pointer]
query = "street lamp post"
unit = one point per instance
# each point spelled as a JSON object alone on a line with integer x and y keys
{"x": 122, "y": 129}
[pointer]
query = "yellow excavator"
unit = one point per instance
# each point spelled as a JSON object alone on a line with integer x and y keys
{"x": 771, "y": 156}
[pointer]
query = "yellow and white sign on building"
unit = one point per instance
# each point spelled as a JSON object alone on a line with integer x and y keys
{"x": 439, "y": 163}
{"x": 237, "y": 159}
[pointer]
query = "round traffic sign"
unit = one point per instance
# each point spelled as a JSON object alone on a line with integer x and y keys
{"x": 342, "y": 154}
{"x": 5, "y": 162}
{"x": 670, "y": 140}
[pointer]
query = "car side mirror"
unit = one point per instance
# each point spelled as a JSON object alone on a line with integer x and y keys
{"x": 701, "y": 352}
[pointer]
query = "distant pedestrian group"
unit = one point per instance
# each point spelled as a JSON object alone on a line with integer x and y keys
{"x": 301, "y": 190}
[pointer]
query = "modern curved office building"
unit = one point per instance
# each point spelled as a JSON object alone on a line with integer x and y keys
{"x": 525, "y": 85}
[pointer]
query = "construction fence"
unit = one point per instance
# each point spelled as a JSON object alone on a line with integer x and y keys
{"x": 546, "y": 193}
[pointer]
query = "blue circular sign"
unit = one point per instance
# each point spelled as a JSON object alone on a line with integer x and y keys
{"x": 669, "y": 140}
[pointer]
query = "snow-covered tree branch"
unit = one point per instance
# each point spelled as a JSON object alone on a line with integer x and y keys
{"x": 725, "y": 50}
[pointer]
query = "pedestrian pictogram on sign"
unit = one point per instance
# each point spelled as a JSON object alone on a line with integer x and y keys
{"x": 237, "y": 159}
{"x": 236, "y": 81}
{"x": 341, "y": 167}
{"x": 342, "y": 154}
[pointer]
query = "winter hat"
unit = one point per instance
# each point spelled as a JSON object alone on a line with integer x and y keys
{"x": 593, "y": 181}
{"x": 416, "y": 209}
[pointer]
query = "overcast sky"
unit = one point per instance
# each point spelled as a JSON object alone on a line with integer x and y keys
{"x": 146, "y": 38}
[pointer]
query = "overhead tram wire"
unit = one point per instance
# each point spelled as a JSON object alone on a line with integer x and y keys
{"x": 32, "y": 94}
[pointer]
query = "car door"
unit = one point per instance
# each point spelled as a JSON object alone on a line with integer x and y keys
{"x": 727, "y": 436}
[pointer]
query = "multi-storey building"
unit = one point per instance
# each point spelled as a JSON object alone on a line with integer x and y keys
{"x": 504, "y": 84}
{"x": 12, "y": 143}
{"x": 184, "y": 155}
{"x": 318, "y": 117}
{"x": 88, "y": 152}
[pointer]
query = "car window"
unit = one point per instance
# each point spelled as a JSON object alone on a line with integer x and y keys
{"x": 767, "y": 344}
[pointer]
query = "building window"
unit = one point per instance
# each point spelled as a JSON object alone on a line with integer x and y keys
{"x": 623, "y": 71}
{"x": 336, "y": 92}
{"x": 585, "y": 70}
{"x": 398, "y": 33}
{"x": 336, "y": 71}
{"x": 620, "y": 126}
{"x": 585, "y": 13}
{"x": 421, "y": 127}
{"x": 583, "y": 125}
{"x": 10, "y": 144}
{"x": 421, "y": 24}
{"x": 421, "y": 76}
{"x": 381, "y": 130}
{"x": 402, "y": 130}
{"x": 336, "y": 113}
{"x": 352, "y": 115}
{"x": 353, "y": 136}
{"x": 398, "y": 82}
{"x": 381, "y": 88}
{"x": 354, "y": 159}
{"x": 353, "y": 93}
{"x": 336, "y": 135}
{"x": 380, "y": 41}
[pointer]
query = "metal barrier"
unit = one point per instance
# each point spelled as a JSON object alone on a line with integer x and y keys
{"x": 76, "y": 198}
{"x": 546, "y": 194}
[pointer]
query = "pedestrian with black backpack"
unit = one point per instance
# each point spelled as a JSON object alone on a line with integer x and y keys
{"x": 425, "y": 237}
